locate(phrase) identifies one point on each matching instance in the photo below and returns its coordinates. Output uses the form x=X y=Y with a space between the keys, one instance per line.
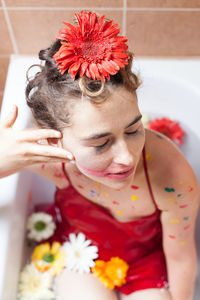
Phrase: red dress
x=138 y=242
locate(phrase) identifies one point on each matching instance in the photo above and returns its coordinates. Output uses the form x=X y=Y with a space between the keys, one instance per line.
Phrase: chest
x=125 y=205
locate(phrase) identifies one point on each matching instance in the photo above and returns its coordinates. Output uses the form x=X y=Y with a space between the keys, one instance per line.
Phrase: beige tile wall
x=153 y=27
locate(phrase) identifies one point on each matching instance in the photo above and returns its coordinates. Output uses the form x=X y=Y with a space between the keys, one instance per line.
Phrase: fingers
x=47 y=151
x=10 y=119
x=33 y=135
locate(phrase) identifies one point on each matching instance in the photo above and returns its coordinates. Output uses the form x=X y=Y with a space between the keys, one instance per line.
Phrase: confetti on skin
x=169 y=190
x=182 y=243
x=186 y=218
x=179 y=195
x=59 y=175
x=100 y=201
x=132 y=206
x=172 y=200
x=77 y=173
x=115 y=202
x=174 y=221
x=148 y=156
x=190 y=189
x=42 y=166
x=134 y=197
x=134 y=187
x=180 y=182
x=186 y=227
x=119 y=212
x=183 y=206
x=98 y=183
x=172 y=236
x=93 y=194
x=80 y=186
x=106 y=195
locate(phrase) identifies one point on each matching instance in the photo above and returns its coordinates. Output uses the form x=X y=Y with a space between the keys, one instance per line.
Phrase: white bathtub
x=171 y=88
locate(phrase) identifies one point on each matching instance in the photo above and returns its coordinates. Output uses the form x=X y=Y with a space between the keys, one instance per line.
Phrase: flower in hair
x=91 y=48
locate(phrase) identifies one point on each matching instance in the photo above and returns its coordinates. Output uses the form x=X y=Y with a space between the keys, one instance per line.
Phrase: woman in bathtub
x=129 y=190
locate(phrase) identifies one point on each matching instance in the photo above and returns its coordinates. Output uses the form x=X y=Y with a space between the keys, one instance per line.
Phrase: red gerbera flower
x=91 y=48
x=169 y=128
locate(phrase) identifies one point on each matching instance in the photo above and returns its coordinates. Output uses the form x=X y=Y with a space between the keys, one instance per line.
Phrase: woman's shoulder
x=169 y=170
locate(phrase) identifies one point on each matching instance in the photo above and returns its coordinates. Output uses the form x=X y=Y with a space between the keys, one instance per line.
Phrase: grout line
x=61 y=8
x=101 y=8
x=124 y=18
x=10 y=30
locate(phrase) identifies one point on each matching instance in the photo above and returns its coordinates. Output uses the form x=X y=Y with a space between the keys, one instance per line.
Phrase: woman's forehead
x=118 y=111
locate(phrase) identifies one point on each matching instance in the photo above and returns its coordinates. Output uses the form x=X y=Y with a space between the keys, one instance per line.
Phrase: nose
x=122 y=154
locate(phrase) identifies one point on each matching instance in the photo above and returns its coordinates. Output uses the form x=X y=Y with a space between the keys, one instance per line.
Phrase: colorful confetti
x=172 y=236
x=42 y=166
x=119 y=212
x=134 y=197
x=148 y=156
x=169 y=190
x=135 y=187
x=106 y=195
x=186 y=218
x=174 y=221
x=182 y=243
x=183 y=206
x=115 y=202
x=179 y=195
x=80 y=186
x=190 y=189
x=186 y=227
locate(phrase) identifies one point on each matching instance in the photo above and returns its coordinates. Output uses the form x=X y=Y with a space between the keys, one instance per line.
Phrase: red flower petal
x=93 y=45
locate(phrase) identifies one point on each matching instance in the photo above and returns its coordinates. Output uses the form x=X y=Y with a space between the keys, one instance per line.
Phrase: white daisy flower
x=145 y=119
x=79 y=255
x=40 y=226
x=35 y=285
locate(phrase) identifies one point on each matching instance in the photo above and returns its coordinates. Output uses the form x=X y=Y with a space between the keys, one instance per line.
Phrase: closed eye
x=133 y=132
x=101 y=146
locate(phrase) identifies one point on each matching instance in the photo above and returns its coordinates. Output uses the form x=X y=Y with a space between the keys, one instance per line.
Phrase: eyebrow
x=98 y=136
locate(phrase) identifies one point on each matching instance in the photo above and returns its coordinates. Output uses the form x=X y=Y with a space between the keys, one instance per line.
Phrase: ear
x=54 y=142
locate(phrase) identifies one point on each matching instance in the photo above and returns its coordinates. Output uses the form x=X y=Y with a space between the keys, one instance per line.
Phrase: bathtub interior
x=166 y=91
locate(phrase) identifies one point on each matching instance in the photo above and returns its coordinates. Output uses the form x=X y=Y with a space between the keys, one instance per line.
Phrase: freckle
x=42 y=166
x=169 y=190
x=132 y=206
x=186 y=227
x=115 y=202
x=106 y=195
x=183 y=206
x=186 y=218
x=148 y=156
x=135 y=187
x=134 y=197
x=182 y=243
x=119 y=212
x=80 y=186
x=174 y=221
x=172 y=236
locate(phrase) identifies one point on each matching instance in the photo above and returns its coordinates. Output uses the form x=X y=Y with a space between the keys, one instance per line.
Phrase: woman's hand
x=19 y=149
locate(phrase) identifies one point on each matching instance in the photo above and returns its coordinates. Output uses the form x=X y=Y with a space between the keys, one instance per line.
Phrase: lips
x=121 y=171
x=120 y=175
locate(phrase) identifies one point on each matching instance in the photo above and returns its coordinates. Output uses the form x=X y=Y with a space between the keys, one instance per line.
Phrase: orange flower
x=111 y=273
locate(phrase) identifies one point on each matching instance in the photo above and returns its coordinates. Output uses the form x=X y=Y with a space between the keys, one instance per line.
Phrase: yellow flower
x=111 y=273
x=46 y=257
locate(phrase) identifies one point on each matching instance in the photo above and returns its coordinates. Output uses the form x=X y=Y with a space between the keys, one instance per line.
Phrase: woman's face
x=106 y=140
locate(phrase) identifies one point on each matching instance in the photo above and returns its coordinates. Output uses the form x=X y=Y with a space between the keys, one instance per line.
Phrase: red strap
x=64 y=171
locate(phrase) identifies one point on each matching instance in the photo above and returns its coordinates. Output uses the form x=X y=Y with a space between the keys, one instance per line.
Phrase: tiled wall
x=153 y=27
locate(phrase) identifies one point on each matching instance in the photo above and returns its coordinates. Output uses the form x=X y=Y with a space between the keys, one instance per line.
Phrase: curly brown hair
x=49 y=93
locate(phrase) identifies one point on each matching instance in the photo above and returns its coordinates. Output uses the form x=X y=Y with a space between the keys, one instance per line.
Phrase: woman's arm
x=179 y=202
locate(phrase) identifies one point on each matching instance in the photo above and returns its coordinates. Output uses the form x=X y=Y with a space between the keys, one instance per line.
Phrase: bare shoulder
x=52 y=171
x=170 y=172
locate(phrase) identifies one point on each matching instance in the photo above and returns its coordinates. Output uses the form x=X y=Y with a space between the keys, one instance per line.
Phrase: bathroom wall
x=158 y=28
